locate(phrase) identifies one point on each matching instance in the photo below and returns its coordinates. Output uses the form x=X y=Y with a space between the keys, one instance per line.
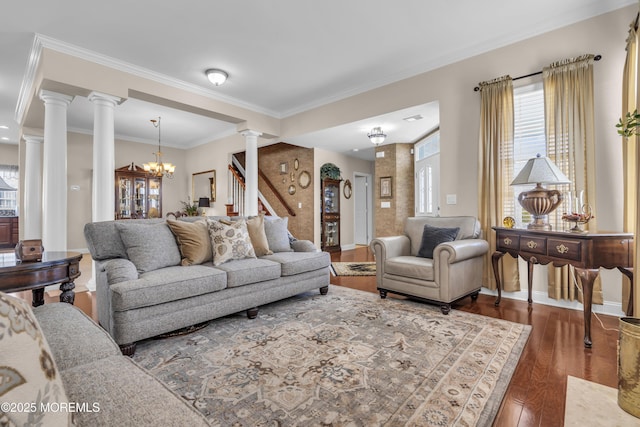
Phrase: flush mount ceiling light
x=377 y=136
x=413 y=118
x=217 y=77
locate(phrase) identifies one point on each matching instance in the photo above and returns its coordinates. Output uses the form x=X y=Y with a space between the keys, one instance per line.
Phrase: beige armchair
x=454 y=272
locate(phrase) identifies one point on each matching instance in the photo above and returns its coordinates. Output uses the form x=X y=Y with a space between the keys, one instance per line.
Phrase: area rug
x=345 y=359
x=592 y=404
x=353 y=268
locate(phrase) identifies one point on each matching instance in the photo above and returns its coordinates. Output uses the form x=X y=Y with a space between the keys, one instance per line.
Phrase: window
x=427 y=167
x=9 y=198
x=528 y=141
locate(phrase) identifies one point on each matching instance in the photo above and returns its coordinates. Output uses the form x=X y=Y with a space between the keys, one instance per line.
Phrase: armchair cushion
x=433 y=236
x=410 y=266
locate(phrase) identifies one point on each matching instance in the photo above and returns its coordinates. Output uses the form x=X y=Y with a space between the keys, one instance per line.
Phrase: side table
x=55 y=267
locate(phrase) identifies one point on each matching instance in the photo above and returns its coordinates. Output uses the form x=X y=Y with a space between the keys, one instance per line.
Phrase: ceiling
x=282 y=56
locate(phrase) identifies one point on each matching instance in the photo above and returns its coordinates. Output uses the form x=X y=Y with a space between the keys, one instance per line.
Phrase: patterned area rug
x=345 y=359
x=353 y=268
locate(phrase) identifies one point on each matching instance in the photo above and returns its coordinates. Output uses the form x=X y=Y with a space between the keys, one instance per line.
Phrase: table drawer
x=567 y=249
x=534 y=245
x=508 y=241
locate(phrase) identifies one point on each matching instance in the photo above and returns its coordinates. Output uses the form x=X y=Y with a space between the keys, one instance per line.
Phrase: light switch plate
x=380 y=154
x=385 y=204
x=452 y=199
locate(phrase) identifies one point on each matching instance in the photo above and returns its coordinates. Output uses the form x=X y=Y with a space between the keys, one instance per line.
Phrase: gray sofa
x=452 y=272
x=112 y=389
x=134 y=305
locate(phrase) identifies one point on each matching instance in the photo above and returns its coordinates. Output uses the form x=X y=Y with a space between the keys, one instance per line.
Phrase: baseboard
x=539 y=297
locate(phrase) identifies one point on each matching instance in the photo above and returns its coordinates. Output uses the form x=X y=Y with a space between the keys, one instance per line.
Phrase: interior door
x=362 y=209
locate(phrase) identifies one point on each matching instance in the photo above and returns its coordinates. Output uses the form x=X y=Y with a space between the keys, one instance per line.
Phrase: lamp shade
x=203 y=202
x=540 y=170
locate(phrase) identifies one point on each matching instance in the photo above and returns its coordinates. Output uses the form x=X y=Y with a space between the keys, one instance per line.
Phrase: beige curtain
x=568 y=92
x=629 y=154
x=496 y=161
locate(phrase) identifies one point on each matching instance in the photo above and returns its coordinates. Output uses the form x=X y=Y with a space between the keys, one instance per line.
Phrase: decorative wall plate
x=304 y=179
x=347 y=190
x=292 y=189
x=296 y=164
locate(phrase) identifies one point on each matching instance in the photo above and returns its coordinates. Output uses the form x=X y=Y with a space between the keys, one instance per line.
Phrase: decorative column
x=32 y=210
x=102 y=200
x=251 y=172
x=54 y=171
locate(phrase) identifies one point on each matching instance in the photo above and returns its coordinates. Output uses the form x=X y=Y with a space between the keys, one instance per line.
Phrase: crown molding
x=41 y=41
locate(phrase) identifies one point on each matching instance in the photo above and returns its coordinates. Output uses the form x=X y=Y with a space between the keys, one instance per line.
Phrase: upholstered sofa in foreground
x=143 y=290
x=60 y=368
x=447 y=272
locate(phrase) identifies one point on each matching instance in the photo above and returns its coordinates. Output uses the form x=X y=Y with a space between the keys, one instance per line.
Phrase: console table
x=55 y=267
x=586 y=252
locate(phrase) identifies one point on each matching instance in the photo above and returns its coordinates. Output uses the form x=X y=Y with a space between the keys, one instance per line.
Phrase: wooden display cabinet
x=330 y=215
x=138 y=195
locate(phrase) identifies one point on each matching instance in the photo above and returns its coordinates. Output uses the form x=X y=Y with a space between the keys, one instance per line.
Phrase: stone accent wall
x=397 y=163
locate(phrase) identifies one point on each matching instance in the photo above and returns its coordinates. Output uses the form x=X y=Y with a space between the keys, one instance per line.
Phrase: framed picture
x=284 y=167
x=385 y=187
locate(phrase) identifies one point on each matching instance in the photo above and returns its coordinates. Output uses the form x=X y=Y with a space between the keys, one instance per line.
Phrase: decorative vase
x=629 y=366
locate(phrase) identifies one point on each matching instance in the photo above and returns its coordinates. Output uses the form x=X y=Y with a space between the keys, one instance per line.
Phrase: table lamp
x=540 y=202
x=203 y=202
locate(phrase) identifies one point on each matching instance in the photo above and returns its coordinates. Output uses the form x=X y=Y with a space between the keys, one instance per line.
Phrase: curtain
x=496 y=172
x=630 y=154
x=569 y=117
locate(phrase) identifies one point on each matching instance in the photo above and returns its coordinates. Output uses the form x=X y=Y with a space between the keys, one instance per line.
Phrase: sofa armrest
x=303 y=246
x=460 y=250
x=388 y=247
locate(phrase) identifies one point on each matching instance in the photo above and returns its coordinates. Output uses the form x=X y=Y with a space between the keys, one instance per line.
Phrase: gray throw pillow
x=149 y=246
x=277 y=234
x=433 y=236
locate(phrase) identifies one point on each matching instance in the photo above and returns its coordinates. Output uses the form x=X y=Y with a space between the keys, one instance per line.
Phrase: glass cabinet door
x=330 y=233
x=124 y=197
x=140 y=197
x=331 y=202
x=154 y=198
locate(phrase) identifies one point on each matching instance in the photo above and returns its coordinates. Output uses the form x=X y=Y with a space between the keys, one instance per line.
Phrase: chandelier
x=159 y=168
x=377 y=136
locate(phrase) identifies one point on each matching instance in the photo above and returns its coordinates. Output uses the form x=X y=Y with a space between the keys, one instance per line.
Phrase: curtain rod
x=477 y=88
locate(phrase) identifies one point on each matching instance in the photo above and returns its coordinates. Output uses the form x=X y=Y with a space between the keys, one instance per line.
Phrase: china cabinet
x=330 y=215
x=138 y=195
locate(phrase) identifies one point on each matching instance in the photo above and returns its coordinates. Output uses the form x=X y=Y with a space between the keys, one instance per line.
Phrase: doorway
x=427 y=175
x=362 y=208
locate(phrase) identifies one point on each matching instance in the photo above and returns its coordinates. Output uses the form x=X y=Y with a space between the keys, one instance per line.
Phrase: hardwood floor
x=536 y=394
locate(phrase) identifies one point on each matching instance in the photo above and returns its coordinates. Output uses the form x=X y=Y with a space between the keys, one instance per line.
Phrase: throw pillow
x=29 y=376
x=255 y=226
x=433 y=236
x=193 y=241
x=149 y=246
x=277 y=234
x=230 y=241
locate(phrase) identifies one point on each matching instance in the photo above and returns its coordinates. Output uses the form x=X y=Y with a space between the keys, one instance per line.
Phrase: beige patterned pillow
x=28 y=374
x=230 y=241
x=193 y=241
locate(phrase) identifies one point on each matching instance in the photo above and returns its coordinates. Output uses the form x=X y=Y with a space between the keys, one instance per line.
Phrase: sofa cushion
x=28 y=372
x=410 y=266
x=73 y=337
x=166 y=285
x=193 y=241
x=293 y=263
x=230 y=241
x=255 y=226
x=103 y=240
x=120 y=270
x=433 y=236
x=126 y=395
x=149 y=246
x=278 y=234
x=250 y=270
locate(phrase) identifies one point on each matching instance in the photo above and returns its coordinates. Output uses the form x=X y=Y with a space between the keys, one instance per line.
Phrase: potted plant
x=628 y=126
x=191 y=209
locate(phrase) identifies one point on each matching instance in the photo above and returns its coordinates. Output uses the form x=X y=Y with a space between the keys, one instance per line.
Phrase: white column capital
x=249 y=132
x=50 y=97
x=104 y=99
x=33 y=139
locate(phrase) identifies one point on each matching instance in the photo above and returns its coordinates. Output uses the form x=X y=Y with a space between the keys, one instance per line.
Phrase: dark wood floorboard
x=536 y=394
